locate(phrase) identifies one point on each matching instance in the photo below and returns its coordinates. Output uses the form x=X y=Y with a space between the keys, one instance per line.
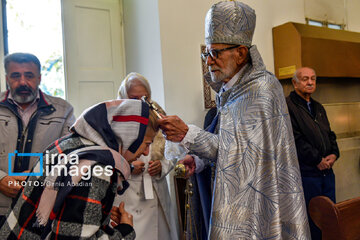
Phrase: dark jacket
x=313 y=136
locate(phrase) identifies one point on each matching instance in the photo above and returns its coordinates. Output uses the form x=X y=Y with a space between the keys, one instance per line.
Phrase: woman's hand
x=139 y=167
x=154 y=167
x=119 y=215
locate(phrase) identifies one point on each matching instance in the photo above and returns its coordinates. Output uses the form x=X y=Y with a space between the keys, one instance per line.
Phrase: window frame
x=325 y=24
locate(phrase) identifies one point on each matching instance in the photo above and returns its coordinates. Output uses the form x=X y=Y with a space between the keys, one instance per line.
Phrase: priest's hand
x=190 y=166
x=173 y=127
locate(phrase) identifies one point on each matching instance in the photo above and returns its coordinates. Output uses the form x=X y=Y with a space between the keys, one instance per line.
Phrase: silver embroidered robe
x=258 y=191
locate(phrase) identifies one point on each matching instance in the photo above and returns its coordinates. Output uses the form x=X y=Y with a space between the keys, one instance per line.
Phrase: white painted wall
x=182 y=32
x=2 y=70
x=142 y=43
x=181 y=29
x=332 y=11
x=353 y=16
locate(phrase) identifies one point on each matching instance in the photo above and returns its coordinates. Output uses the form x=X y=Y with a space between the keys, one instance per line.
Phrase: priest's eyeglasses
x=214 y=53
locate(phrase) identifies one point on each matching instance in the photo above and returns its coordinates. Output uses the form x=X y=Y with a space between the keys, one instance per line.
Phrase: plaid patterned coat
x=84 y=213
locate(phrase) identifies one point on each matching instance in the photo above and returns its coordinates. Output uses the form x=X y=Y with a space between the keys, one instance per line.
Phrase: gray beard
x=216 y=79
x=24 y=98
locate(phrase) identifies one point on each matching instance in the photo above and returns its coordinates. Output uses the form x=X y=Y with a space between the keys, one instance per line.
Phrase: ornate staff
x=151 y=106
x=180 y=172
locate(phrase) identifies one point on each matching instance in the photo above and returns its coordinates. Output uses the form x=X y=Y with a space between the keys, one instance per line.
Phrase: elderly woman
x=148 y=196
x=75 y=202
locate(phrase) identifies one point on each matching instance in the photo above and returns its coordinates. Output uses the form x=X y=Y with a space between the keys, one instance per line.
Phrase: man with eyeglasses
x=257 y=192
x=29 y=121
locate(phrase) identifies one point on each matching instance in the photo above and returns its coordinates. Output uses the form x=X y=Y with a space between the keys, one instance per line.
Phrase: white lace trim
x=190 y=136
